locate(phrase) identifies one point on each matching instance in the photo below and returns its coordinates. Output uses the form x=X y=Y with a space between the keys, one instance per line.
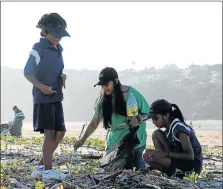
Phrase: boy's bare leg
x=51 y=142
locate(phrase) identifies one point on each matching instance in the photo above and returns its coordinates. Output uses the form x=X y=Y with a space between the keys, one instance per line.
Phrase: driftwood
x=118 y=179
x=112 y=175
x=90 y=156
x=214 y=159
x=134 y=179
x=169 y=183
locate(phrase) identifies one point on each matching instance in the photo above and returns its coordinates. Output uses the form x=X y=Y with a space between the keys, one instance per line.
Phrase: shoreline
x=209 y=133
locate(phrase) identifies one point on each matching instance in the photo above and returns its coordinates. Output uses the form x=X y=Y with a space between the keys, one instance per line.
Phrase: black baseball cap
x=106 y=75
x=159 y=106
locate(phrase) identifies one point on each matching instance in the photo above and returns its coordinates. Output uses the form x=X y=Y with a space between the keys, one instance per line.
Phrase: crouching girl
x=175 y=148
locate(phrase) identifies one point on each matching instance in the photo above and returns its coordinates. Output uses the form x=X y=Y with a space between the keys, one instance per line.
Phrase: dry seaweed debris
x=19 y=157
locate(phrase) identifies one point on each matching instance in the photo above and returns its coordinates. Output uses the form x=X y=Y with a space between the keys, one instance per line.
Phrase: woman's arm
x=93 y=124
x=91 y=127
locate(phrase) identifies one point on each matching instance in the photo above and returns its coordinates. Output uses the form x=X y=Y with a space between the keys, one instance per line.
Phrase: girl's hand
x=156 y=154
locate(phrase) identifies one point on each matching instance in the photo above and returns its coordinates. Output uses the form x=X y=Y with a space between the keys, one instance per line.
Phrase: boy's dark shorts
x=48 y=116
x=186 y=166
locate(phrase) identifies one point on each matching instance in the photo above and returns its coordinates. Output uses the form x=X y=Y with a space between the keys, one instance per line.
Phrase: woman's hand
x=78 y=143
x=134 y=122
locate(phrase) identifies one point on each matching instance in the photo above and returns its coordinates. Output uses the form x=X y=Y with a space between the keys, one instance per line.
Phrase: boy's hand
x=63 y=79
x=47 y=90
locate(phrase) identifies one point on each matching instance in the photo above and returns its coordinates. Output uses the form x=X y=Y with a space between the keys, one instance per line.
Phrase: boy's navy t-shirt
x=45 y=63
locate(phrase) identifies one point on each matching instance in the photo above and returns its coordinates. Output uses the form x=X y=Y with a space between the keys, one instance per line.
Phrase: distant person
x=44 y=69
x=191 y=123
x=177 y=146
x=111 y=108
x=16 y=126
x=5 y=128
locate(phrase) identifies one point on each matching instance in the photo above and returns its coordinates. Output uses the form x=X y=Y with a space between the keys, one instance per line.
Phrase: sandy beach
x=209 y=132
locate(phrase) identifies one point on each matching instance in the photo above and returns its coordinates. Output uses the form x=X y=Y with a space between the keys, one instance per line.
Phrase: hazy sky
x=118 y=33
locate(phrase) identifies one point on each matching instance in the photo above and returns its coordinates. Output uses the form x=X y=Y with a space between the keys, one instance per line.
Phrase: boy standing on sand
x=44 y=69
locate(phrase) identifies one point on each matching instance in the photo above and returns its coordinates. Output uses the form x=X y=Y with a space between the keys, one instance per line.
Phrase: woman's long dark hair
x=107 y=107
x=176 y=113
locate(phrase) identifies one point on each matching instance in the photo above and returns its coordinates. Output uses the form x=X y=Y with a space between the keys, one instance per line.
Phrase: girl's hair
x=52 y=19
x=163 y=107
x=107 y=105
x=176 y=113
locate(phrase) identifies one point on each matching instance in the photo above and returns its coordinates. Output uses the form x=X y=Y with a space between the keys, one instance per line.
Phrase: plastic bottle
x=132 y=106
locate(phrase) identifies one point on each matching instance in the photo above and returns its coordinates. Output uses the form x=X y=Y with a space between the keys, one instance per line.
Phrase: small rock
x=17 y=184
x=56 y=186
